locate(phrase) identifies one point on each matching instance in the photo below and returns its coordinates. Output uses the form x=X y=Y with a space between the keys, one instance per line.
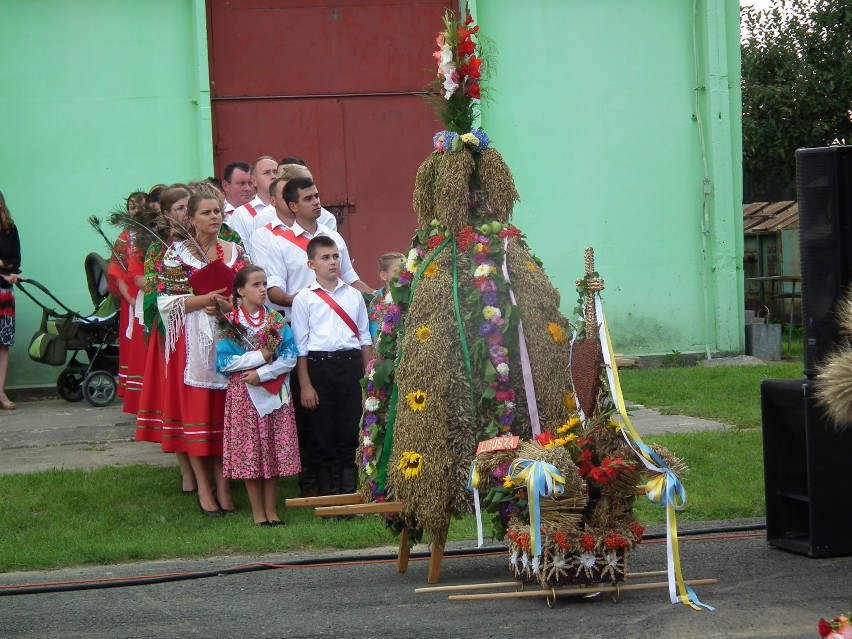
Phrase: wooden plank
x=404 y=550
x=435 y=559
x=772 y=223
x=326 y=500
x=359 y=509
x=750 y=209
x=551 y=592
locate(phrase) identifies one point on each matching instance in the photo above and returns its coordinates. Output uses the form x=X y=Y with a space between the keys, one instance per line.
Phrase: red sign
x=497 y=443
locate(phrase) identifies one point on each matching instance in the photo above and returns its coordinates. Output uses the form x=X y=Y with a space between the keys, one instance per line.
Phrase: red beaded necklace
x=251 y=321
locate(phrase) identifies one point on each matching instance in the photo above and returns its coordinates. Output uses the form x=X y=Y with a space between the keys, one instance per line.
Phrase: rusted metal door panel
x=337 y=84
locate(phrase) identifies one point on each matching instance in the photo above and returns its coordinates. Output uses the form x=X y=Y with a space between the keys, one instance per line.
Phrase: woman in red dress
x=190 y=322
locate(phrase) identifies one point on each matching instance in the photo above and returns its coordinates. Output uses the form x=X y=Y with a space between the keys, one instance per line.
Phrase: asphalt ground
x=761 y=591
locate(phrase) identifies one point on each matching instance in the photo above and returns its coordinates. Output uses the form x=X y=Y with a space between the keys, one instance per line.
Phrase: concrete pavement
x=52 y=433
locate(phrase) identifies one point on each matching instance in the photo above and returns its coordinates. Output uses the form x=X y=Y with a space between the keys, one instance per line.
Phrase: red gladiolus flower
x=824 y=628
x=466 y=45
x=473 y=91
x=599 y=475
x=471 y=68
x=544 y=438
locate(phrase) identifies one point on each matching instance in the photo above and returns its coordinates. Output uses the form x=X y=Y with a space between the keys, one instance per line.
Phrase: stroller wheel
x=69 y=385
x=99 y=388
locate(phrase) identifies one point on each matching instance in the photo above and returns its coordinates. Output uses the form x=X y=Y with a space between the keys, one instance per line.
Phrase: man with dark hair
x=291 y=159
x=237 y=186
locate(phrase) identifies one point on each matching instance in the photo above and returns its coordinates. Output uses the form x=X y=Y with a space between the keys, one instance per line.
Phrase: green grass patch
x=114 y=515
x=729 y=394
x=725 y=478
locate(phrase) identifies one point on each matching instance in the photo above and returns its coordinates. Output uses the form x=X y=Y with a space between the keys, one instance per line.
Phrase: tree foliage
x=796 y=87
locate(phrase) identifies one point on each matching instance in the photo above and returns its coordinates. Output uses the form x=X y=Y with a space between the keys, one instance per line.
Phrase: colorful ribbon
x=664 y=488
x=541 y=479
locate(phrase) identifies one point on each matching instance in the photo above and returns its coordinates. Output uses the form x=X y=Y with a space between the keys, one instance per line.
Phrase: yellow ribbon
x=664 y=488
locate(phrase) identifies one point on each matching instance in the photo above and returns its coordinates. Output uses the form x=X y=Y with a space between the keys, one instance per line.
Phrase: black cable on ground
x=6 y=591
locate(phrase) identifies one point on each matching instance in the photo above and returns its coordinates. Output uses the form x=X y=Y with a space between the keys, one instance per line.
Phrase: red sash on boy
x=325 y=297
x=299 y=240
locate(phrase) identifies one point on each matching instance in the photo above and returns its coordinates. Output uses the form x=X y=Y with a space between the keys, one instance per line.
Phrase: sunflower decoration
x=423 y=334
x=430 y=270
x=416 y=400
x=410 y=465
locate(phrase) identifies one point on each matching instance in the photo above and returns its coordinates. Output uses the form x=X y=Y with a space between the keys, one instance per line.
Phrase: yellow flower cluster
x=469 y=138
x=531 y=266
x=410 y=465
x=430 y=270
x=564 y=430
x=570 y=404
x=556 y=332
x=507 y=482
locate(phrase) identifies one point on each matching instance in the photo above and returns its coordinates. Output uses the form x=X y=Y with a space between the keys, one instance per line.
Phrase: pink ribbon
x=526 y=370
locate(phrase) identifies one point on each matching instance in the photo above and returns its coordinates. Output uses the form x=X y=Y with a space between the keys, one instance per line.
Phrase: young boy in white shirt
x=331 y=329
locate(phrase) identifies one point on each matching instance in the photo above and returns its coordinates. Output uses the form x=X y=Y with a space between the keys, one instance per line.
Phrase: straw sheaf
x=424 y=190
x=844 y=314
x=675 y=464
x=452 y=189
x=442 y=433
x=539 y=304
x=495 y=178
x=560 y=458
x=611 y=514
x=834 y=386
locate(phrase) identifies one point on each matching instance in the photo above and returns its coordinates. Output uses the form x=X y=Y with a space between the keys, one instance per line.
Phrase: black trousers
x=336 y=378
x=303 y=428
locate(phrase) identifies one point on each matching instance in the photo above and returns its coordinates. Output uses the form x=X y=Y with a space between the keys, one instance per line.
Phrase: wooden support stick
x=515 y=584
x=326 y=500
x=435 y=559
x=359 y=509
x=496 y=584
x=404 y=550
x=577 y=591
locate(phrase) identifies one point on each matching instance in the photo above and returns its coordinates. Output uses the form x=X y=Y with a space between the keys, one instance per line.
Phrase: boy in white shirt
x=332 y=333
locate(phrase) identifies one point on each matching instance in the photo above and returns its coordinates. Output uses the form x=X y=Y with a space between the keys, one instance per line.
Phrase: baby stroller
x=95 y=334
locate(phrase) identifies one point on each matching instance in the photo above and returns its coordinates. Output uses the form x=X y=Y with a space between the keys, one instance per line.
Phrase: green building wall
x=97 y=99
x=593 y=105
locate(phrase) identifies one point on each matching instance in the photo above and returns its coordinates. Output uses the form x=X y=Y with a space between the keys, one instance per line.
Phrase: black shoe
x=277 y=522
x=264 y=524
x=210 y=513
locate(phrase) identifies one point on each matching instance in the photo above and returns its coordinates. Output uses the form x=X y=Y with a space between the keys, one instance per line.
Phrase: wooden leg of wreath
x=435 y=558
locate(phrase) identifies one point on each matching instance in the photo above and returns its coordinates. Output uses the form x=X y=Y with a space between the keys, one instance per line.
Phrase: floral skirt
x=257 y=447
x=7 y=317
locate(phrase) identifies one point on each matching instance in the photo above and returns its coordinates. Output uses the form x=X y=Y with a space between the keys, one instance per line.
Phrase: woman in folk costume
x=153 y=422
x=126 y=277
x=193 y=276
x=257 y=351
x=10 y=268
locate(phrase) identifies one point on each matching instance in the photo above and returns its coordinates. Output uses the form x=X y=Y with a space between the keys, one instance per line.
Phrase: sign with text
x=497 y=443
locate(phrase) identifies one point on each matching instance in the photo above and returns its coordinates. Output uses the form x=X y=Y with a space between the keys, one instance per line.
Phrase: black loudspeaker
x=824 y=191
x=806 y=470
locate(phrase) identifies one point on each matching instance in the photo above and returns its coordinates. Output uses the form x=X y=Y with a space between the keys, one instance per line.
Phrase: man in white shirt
x=283 y=219
x=263 y=170
x=287 y=260
x=293 y=163
x=237 y=186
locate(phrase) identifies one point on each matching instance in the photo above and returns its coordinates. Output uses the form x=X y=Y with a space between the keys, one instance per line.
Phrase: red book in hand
x=213 y=277
x=274 y=385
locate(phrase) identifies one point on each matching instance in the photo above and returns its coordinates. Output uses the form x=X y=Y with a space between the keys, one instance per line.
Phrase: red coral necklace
x=251 y=321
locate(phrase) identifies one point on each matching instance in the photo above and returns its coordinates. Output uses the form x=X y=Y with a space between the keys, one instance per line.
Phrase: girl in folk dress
x=256 y=350
x=10 y=265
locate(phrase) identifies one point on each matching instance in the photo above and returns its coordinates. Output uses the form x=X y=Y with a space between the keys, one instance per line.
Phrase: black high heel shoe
x=209 y=513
